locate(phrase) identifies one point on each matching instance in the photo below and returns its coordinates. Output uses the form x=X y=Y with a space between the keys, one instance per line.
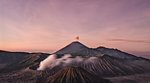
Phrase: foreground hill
x=74 y=75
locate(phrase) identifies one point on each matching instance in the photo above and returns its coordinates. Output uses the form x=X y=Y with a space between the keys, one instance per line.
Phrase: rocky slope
x=74 y=75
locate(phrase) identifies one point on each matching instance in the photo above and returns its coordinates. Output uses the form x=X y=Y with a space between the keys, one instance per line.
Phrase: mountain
x=77 y=48
x=74 y=75
x=31 y=61
x=9 y=57
x=22 y=70
x=115 y=53
x=21 y=66
x=73 y=48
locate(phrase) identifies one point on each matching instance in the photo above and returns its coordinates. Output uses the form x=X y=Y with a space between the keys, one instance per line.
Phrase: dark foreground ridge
x=74 y=75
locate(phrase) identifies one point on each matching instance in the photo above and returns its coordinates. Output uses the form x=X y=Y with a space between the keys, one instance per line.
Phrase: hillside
x=74 y=75
x=9 y=57
x=31 y=60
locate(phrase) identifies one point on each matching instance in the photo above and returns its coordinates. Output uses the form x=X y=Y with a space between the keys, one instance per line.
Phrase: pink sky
x=48 y=25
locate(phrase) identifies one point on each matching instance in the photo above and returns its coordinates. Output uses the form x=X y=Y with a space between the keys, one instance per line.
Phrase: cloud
x=66 y=60
x=128 y=40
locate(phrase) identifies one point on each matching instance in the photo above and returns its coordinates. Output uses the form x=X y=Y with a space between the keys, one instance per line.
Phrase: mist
x=66 y=60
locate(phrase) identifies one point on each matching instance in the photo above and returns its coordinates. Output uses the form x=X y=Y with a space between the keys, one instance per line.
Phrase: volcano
x=79 y=49
x=107 y=63
x=74 y=75
x=73 y=48
x=110 y=62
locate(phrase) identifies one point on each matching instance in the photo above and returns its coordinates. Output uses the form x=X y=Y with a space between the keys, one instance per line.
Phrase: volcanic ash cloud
x=51 y=61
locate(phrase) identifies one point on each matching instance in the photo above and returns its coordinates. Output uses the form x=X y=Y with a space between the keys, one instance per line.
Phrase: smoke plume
x=67 y=60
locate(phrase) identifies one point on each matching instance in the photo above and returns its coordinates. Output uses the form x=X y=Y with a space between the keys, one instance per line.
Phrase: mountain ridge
x=77 y=48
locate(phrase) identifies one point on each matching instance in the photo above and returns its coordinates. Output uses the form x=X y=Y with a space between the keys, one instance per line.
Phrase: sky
x=48 y=25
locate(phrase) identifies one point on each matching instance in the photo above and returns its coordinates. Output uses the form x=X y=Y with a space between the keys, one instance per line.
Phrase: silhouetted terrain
x=31 y=60
x=9 y=57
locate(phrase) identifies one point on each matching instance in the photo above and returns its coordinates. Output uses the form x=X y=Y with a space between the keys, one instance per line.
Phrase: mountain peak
x=73 y=47
x=77 y=43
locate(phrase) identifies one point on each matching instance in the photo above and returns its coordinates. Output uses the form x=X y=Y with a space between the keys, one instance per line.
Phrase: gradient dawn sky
x=48 y=25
